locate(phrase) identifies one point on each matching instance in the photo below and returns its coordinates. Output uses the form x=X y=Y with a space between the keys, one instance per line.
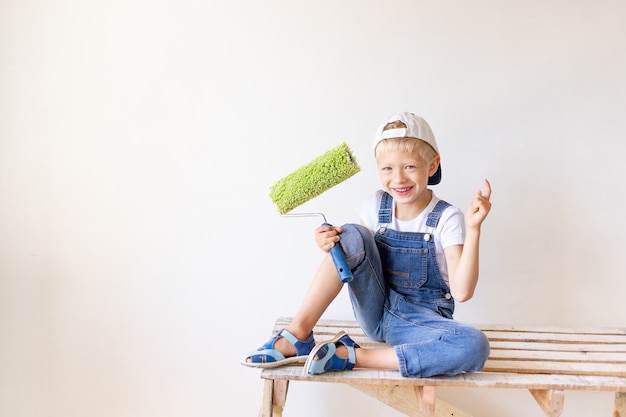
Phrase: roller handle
x=339 y=258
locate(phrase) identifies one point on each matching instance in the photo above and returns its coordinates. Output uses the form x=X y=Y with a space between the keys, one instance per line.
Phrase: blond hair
x=405 y=144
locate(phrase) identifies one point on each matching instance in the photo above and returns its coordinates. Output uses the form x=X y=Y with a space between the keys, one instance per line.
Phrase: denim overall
x=399 y=297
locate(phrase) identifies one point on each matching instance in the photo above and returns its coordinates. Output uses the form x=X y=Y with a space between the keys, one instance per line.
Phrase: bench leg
x=426 y=396
x=619 y=409
x=415 y=401
x=551 y=401
x=274 y=398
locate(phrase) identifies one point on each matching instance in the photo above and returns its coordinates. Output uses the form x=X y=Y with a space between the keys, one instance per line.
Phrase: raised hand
x=480 y=207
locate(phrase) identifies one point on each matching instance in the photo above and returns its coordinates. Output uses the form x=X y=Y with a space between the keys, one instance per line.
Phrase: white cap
x=417 y=128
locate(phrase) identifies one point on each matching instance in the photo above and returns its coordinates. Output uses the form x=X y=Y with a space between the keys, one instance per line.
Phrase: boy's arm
x=462 y=260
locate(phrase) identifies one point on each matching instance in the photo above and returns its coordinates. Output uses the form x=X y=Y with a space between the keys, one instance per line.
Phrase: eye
x=410 y=167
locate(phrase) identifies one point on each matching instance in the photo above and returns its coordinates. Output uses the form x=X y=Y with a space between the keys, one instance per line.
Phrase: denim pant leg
x=428 y=344
x=368 y=291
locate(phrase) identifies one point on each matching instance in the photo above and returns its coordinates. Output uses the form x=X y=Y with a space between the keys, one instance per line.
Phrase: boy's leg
x=368 y=291
x=323 y=289
x=429 y=344
x=367 y=294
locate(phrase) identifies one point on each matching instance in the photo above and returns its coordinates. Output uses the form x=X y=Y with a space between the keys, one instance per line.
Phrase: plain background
x=140 y=253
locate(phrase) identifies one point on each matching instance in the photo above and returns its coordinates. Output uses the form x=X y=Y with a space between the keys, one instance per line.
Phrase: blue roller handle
x=339 y=258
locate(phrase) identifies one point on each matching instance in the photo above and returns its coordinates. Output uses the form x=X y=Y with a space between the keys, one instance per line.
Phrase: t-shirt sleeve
x=453 y=227
x=368 y=210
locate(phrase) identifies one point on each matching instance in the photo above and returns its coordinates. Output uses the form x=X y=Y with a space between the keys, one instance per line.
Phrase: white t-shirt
x=450 y=229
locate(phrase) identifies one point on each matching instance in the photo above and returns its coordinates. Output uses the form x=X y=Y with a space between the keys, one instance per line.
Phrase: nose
x=398 y=176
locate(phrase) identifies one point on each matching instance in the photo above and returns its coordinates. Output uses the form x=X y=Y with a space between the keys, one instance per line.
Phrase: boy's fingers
x=487 y=192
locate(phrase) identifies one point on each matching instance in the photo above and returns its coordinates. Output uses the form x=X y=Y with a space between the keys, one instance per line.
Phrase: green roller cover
x=312 y=179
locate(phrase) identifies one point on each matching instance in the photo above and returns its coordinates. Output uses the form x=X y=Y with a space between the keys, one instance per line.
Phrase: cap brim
x=436 y=177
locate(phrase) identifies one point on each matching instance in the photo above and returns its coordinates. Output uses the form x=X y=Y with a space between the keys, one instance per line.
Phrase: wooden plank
x=563 y=347
x=477 y=379
x=570 y=337
x=274 y=398
x=496 y=333
x=619 y=409
x=558 y=356
x=405 y=399
x=285 y=320
x=550 y=401
x=426 y=396
x=279 y=395
x=562 y=367
x=267 y=404
x=322 y=324
x=497 y=330
x=551 y=329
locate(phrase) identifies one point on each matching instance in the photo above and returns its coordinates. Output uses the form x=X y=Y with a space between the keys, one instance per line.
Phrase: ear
x=434 y=164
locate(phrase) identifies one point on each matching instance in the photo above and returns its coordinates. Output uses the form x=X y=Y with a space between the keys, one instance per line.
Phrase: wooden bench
x=545 y=360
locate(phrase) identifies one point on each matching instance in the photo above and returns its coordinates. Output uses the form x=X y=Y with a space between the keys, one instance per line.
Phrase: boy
x=411 y=257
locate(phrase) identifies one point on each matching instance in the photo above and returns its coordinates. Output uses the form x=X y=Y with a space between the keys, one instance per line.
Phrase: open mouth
x=402 y=191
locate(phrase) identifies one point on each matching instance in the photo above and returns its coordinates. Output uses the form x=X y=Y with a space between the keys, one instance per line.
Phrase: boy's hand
x=327 y=236
x=480 y=207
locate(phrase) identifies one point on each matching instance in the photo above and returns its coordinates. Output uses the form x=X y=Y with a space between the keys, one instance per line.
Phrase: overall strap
x=435 y=215
x=385 y=210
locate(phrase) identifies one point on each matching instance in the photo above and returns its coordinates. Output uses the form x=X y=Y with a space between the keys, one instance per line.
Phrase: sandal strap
x=267 y=353
x=264 y=354
x=287 y=335
x=351 y=357
x=350 y=345
x=330 y=361
x=303 y=347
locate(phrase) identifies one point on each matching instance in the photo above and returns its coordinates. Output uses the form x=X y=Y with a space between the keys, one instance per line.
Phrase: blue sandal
x=323 y=357
x=268 y=357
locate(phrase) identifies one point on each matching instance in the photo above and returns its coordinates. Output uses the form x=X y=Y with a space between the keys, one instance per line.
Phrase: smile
x=403 y=190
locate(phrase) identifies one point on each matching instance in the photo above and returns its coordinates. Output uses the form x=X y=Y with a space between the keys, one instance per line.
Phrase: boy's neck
x=409 y=211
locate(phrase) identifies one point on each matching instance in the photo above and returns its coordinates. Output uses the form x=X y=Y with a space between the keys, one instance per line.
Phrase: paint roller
x=311 y=180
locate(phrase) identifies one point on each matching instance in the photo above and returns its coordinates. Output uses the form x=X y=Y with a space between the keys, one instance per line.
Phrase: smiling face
x=404 y=166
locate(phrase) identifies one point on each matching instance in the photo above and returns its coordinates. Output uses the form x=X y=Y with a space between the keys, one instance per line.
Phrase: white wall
x=140 y=254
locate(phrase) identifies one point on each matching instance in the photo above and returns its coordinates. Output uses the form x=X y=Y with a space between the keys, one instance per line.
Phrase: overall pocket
x=405 y=268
